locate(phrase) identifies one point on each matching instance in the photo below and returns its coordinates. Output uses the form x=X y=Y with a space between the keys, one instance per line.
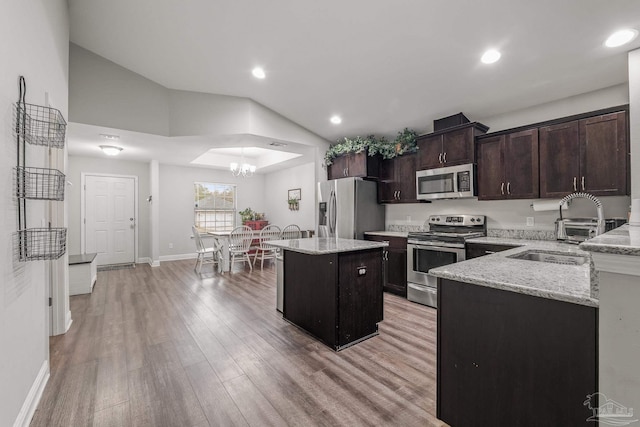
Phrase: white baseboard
x=155 y=264
x=178 y=257
x=33 y=398
x=69 y=321
x=144 y=260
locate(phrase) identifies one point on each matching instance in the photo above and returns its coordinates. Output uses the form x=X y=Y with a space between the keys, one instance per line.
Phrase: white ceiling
x=381 y=65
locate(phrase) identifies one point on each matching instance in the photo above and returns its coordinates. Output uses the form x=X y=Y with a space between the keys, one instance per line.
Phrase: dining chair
x=240 y=240
x=291 y=231
x=203 y=252
x=263 y=250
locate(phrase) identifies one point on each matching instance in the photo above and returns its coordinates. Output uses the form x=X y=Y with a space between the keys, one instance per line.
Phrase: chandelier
x=242 y=169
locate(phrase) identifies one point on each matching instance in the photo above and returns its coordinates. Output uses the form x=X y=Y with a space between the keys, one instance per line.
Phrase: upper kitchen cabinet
x=397 y=183
x=585 y=155
x=508 y=166
x=354 y=165
x=449 y=147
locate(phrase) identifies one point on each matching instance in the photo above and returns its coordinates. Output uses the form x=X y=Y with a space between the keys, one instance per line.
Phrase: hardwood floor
x=165 y=346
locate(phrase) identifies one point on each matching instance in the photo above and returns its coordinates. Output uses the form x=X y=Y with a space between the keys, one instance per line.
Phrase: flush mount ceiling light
x=110 y=150
x=621 y=37
x=336 y=120
x=243 y=168
x=258 y=73
x=490 y=56
x=110 y=137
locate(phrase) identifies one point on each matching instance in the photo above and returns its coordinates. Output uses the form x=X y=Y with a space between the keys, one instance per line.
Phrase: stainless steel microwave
x=451 y=182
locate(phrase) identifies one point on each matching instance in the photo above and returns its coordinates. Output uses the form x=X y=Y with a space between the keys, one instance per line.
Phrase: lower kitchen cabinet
x=475 y=250
x=395 y=263
x=509 y=359
x=336 y=297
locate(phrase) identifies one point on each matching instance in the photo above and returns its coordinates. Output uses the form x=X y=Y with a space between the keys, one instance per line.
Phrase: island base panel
x=506 y=358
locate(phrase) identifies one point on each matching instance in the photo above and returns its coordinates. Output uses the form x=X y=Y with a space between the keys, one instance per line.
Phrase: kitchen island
x=333 y=288
x=517 y=338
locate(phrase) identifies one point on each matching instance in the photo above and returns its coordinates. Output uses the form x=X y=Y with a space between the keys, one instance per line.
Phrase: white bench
x=83 y=273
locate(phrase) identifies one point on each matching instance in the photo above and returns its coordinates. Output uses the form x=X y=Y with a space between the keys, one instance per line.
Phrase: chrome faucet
x=600 y=211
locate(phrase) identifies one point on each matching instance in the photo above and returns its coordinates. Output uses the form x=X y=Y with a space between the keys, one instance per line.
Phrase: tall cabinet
x=44 y=127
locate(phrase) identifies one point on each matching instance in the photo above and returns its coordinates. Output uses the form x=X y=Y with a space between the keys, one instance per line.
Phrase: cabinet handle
x=508 y=188
x=489 y=252
x=575 y=183
x=440 y=158
x=444 y=157
x=399 y=191
x=502 y=188
x=583 y=183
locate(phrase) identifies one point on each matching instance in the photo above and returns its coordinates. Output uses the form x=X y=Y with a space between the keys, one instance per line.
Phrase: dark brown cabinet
x=336 y=297
x=589 y=155
x=397 y=182
x=508 y=166
x=395 y=263
x=354 y=165
x=509 y=359
x=449 y=147
x=475 y=250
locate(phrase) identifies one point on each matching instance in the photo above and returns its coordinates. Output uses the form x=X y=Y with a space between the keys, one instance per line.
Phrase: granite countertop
x=624 y=240
x=388 y=233
x=567 y=283
x=323 y=245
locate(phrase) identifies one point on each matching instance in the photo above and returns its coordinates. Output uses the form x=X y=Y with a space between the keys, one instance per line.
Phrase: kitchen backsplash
x=505 y=234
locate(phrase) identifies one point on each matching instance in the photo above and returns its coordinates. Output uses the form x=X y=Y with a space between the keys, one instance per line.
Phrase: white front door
x=110 y=218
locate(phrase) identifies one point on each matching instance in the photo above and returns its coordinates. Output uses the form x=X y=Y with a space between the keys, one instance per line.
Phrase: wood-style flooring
x=165 y=346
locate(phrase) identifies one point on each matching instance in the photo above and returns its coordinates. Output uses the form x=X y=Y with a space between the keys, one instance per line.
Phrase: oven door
x=421 y=286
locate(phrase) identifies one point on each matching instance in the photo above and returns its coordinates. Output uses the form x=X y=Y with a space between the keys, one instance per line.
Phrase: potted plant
x=247 y=215
x=405 y=142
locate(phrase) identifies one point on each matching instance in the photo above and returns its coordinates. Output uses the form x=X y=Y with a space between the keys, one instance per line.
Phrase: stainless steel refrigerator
x=348 y=207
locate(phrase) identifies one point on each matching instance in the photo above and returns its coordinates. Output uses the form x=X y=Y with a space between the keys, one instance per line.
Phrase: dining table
x=223 y=238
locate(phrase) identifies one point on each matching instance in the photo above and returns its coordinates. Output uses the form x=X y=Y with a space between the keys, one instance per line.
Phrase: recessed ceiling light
x=336 y=120
x=621 y=37
x=110 y=150
x=258 y=73
x=110 y=137
x=490 y=56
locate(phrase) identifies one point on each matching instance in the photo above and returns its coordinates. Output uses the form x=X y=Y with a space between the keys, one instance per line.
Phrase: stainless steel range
x=443 y=244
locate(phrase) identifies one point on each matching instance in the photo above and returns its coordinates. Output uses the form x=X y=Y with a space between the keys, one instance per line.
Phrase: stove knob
x=473 y=220
x=479 y=219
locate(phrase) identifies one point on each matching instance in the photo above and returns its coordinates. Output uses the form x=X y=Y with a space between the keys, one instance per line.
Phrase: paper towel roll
x=548 y=205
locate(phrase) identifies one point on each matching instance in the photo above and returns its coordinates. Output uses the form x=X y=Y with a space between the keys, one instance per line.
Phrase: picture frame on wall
x=295 y=194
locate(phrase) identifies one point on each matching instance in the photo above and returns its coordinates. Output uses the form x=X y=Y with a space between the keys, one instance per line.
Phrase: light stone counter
x=624 y=240
x=323 y=245
x=567 y=283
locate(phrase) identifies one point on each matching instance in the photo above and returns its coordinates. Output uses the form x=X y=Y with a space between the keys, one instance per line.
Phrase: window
x=215 y=206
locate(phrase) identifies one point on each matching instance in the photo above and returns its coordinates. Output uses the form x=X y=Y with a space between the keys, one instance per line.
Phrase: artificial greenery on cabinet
x=405 y=142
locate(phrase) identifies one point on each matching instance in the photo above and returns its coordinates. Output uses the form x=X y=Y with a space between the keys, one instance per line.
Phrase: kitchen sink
x=551 y=257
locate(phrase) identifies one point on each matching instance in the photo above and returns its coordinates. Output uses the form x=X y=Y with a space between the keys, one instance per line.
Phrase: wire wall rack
x=39 y=125
x=42 y=126
x=40 y=183
x=37 y=244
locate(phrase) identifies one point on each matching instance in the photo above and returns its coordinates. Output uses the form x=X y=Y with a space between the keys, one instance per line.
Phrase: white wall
x=103 y=93
x=512 y=214
x=177 y=203
x=277 y=185
x=113 y=166
x=33 y=42
x=634 y=123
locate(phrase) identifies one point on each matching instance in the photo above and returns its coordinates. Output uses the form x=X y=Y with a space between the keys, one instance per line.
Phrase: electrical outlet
x=530 y=221
x=408 y=218
x=170 y=245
